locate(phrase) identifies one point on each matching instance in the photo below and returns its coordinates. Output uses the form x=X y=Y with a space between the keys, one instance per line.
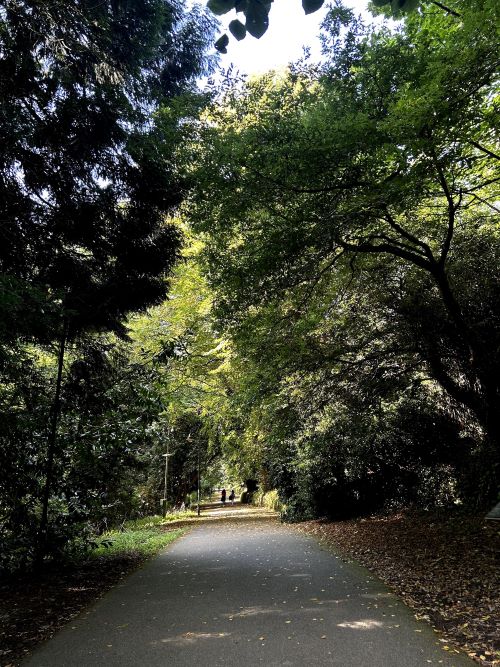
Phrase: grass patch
x=142 y=537
x=157 y=520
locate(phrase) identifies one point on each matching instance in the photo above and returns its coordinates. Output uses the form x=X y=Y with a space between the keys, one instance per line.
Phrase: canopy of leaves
x=256 y=14
x=332 y=324
x=84 y=239
x=83 y=188
x=349 y=217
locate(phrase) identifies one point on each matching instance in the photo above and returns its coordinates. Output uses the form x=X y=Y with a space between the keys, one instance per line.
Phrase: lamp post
x=198 y=412
x=199 y=481
x=164 y=499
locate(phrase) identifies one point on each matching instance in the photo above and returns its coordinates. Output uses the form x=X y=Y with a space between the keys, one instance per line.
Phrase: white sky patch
x=290 y=30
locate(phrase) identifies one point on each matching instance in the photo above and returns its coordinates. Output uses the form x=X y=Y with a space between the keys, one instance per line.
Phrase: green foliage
x=350 y=241
x=332 y=328
x=397 y=5
x=269 y=499
x=85 y=240
x=83 y=190
x=145 y=538
x=256 y=13
x=191 y=499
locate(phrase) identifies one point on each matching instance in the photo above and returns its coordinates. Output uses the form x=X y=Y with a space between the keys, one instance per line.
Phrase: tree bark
x=51 y=447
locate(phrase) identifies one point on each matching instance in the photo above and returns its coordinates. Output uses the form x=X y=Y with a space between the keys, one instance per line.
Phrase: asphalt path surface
x=241 y=591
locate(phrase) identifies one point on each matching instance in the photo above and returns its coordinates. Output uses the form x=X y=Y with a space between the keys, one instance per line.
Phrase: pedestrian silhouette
x=223 y=496
x=232 y=496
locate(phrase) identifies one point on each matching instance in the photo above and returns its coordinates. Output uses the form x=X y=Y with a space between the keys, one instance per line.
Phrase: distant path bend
x=242 y=592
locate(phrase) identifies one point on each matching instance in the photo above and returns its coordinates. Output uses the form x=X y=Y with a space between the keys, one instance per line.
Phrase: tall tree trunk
x=51 y=447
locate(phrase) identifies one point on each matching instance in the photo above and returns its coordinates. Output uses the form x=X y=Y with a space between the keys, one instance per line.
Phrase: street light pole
x=164 y=499
x=199 y=482
x=166 y=465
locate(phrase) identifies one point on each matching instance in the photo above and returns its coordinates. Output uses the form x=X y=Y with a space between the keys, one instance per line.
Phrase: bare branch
x=407 y=235
x=448 y=10
x=483 y=149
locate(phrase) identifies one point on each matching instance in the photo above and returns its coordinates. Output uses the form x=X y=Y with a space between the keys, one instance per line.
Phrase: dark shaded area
x=33 y=608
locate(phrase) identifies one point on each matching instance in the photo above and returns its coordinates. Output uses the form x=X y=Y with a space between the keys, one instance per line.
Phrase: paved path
x=243 y=592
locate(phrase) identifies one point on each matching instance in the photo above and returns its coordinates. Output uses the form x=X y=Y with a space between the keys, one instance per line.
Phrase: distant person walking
x=223 y=496
x=232 y=496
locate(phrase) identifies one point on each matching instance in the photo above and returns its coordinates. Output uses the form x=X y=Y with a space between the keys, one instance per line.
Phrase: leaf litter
x=445 y=568
x=33 y=608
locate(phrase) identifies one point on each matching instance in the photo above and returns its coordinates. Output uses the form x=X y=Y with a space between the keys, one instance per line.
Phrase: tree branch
x=367 y=247
x=486 y=203
x=481 y=185
x=413 y=239
x=452 y=207
x=483 y=149
x=448 y=10
x=461 y=394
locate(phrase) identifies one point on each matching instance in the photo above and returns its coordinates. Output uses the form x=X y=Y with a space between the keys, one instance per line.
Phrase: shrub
x=246 y=497
x=272 y=501
x=269 y=499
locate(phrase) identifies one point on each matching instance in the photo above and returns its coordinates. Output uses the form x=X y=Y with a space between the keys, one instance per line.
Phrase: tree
x=83 y=188
x=177 y=341
x=385 y=152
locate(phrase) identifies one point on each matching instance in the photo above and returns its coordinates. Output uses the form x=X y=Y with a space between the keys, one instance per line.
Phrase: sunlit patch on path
x=365 y=624
x=192 y=637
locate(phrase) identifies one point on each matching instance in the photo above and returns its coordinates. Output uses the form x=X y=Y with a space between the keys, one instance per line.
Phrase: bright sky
x=289 y=30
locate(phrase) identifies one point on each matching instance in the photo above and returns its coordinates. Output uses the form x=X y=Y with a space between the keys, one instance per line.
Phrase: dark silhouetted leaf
x=411 y=5
x=257 y=19
x=237 y=29
x=220 y=7
x=221 y=44
x=311 y=6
